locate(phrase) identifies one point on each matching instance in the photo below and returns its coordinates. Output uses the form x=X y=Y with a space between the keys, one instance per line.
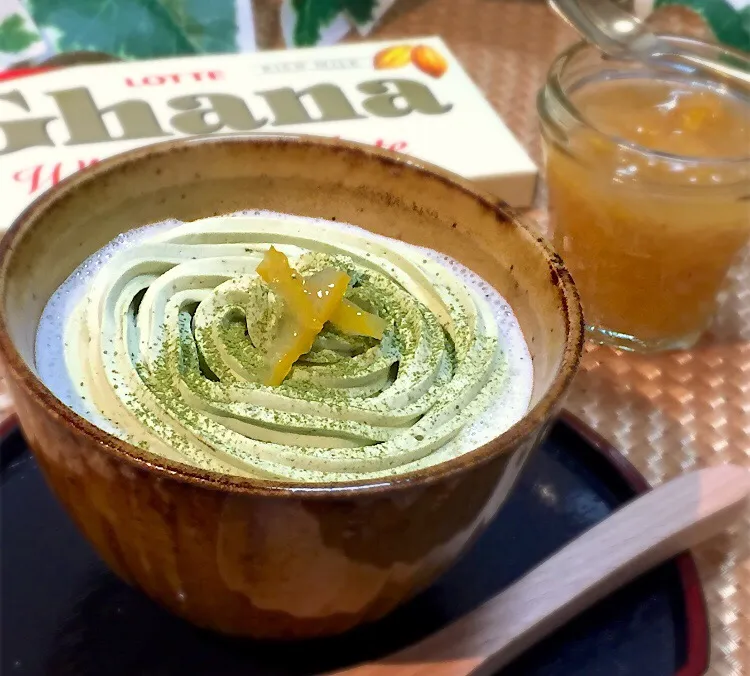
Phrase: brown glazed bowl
x=258 y=558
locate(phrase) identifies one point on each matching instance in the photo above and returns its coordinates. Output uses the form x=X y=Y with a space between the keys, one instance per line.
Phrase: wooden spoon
x=649 y=530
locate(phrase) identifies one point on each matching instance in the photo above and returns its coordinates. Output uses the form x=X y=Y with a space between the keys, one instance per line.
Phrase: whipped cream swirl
x=167 y=348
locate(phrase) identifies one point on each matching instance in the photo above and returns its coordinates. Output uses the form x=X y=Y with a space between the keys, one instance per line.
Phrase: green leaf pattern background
x=154 y=28
x=158 y=28
x=138 y=28
x=19 y=37
x=729 y=22
x=314 y=15
x=15 y=37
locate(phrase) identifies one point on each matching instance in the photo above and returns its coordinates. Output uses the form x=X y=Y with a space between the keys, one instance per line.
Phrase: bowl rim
x=23 y=376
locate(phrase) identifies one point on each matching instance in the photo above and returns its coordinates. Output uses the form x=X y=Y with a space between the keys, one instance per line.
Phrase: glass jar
x=648 y=171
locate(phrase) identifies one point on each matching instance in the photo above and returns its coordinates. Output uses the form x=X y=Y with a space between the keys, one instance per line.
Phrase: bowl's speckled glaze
x=269 y=559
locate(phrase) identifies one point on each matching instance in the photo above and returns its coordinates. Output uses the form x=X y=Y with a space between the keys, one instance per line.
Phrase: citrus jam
x=649 y=199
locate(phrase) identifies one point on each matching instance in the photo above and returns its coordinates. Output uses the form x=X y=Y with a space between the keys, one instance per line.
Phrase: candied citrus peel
x=326 y=290
x=352 y=319
x=311 y=302
x=700 y=111
x=286 y=282
x=294 y=340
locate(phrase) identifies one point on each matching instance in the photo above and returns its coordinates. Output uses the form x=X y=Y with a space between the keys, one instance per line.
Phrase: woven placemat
x=666 y=413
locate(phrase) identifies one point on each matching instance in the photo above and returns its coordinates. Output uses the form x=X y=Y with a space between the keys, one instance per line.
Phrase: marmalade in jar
x=650 y=204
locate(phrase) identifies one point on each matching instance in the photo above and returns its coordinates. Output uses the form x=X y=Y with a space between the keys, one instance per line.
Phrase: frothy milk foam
x=512 y=402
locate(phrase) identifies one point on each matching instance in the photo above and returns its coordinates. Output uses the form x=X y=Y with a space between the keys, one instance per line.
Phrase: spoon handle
x=647 y=531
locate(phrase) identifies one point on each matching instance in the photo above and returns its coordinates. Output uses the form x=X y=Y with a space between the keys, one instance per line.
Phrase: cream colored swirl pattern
x=170 y=339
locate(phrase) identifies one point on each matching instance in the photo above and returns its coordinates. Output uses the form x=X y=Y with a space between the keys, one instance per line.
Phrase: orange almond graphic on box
x=428 y=60
x=393 y=57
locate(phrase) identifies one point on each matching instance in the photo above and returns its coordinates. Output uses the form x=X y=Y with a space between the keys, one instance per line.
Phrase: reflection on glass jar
x=649 y=190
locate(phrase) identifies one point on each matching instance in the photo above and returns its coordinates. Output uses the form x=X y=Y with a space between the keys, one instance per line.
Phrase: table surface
x=667 y=413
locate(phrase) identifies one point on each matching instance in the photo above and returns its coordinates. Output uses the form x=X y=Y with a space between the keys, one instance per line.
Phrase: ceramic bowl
x=257 y=558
